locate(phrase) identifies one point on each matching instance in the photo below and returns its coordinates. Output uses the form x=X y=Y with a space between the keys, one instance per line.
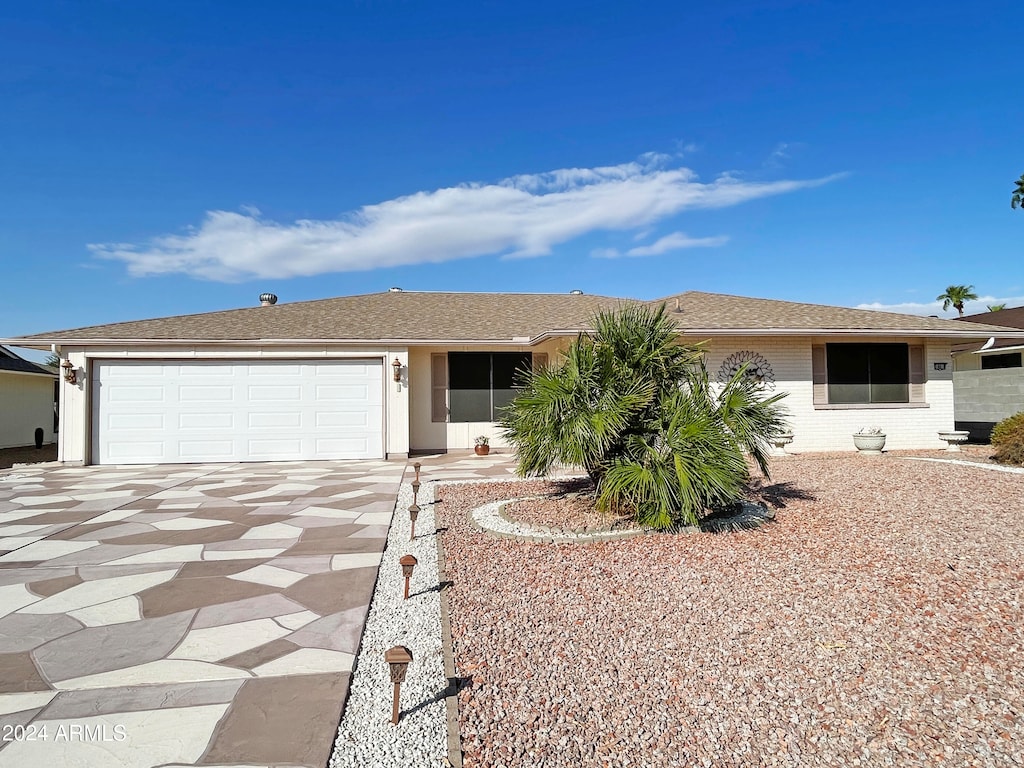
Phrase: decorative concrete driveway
x=179 y=616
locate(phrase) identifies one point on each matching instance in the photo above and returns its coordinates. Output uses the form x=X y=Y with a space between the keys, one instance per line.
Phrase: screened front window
x=481 y=383
x=868 y=373
x=1004 y=360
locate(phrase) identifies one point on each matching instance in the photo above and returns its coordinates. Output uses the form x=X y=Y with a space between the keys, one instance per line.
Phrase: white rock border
x=366 y=738
x=491 y=517
x=961 y=462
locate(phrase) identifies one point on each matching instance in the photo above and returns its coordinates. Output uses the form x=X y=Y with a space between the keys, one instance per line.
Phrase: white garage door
x=211 y=411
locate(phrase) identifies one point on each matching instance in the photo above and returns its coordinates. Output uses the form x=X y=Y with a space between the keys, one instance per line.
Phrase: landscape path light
x=415 y=491
x=408 y=562
x=417 y=466
x=398 y=658
x=414 y=512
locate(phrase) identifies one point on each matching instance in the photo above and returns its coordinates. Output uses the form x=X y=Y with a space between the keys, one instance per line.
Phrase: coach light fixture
x=70 y=374
x=397 y=366
x=398 y=659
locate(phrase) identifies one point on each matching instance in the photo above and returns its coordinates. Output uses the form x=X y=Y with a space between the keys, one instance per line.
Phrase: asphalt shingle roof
x=423 y=316
x=11 y=362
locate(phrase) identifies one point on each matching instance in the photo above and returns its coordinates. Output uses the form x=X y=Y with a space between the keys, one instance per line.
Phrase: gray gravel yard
x=879 y=621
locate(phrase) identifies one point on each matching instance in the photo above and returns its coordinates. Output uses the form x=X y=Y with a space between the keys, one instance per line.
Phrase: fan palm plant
x=636 y=409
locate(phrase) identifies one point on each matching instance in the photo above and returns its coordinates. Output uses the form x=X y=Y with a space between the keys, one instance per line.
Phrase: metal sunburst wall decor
x=758 y=368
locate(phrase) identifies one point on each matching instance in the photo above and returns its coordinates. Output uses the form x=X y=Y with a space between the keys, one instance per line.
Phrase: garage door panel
x=198 y=393
x=206 y=421
x=342 y=419
x=206 y=450
x=342 y=394
x=136 y=451
x=127 y=393
x=341 y=445
x=277 y=371
x=270 y=420
x=203 y=370
x=270 y=393
x=194 y=411
x=135 y=421
x=277 y=448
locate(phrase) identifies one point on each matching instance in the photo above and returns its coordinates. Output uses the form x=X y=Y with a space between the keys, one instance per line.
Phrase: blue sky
x=168 y=158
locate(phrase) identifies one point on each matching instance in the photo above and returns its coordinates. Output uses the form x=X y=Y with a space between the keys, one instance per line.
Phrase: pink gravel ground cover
x=878 y=621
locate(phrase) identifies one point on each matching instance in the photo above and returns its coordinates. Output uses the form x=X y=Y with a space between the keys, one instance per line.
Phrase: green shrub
x=1008 y=440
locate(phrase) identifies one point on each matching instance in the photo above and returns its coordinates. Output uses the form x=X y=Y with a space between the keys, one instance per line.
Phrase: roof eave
x=61 y=342
x=933 y=333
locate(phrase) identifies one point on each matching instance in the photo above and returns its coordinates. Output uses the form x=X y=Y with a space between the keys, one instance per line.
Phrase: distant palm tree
x=1018 y=193
x=957 y=295
x=996 y=307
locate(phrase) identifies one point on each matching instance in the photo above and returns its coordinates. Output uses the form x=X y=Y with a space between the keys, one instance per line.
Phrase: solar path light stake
x=415 y=491
x=417 y=466
x=414 y=512
x=408 y=562
x=398 y=658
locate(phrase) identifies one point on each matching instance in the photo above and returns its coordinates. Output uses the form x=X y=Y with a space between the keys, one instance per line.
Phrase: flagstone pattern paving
x=191 y=615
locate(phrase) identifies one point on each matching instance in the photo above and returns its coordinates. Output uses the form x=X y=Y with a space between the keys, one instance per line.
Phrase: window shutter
x=819 y=374
x=439 y=387
x=540 y=360
x=917 y=373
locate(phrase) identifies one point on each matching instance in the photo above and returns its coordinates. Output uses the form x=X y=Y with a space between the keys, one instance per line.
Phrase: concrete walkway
x=184 y=616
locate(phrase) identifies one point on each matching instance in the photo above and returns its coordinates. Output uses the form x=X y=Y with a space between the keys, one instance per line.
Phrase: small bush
x=1008 y=440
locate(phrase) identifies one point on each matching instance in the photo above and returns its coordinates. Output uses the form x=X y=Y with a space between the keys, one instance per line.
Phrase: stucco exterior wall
x=74 y=442
x=830 y=428
x=428 y=435
x=26 y=403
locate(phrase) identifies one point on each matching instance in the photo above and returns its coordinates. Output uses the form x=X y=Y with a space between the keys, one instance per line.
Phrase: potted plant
x=869 y=440
x=482 y=445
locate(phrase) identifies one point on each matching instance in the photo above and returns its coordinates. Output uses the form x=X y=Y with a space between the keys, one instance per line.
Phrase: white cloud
x=935 y=307
x=676 y=241
x=522 y=216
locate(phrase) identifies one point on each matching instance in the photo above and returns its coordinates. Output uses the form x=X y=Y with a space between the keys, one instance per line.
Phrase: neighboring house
x=27 y=401
x=316 y=379
x=988 y=379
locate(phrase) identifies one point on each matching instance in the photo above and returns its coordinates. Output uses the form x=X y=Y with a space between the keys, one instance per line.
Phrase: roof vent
x=677 y=308
x=575 y=292
x=267 y=299
x=394 y=289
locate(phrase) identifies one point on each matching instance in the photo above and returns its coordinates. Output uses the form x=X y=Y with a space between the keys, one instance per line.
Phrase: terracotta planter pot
x=482 y=450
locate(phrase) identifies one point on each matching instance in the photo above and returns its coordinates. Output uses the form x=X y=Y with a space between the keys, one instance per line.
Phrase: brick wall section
x=822 y=429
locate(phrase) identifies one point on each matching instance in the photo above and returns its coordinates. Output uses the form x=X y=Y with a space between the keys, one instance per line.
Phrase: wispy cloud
x=522 y=216
x=935 y=307
x=673 y=242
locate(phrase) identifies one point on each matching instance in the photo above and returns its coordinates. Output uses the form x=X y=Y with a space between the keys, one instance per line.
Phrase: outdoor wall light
x=397 y=368
x=70 y=374
x=408 y=562
x=414 y=512
x=398 y=659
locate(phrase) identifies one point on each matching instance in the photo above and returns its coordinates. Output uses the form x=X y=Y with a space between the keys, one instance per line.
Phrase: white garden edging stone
x=366 y=737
